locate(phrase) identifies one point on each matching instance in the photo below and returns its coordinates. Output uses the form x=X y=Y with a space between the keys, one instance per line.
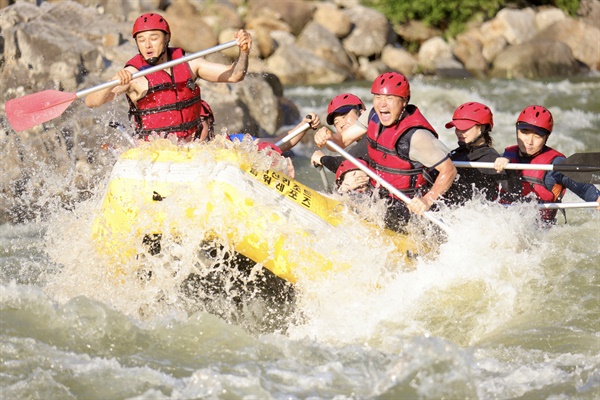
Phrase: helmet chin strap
x=472 y=142
x=153 y=60
x=400 y=116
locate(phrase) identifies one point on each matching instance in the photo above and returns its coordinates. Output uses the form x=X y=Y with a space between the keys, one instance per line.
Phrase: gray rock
x=535 y=59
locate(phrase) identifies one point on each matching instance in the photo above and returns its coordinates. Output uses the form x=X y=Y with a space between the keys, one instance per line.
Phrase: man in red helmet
x=168 y=102
x=473 y=123
x=343 y=112
x=402 y=148
x=534 y=126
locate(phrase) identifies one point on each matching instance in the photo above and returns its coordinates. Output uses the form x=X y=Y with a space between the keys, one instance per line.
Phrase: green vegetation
x=451 y=16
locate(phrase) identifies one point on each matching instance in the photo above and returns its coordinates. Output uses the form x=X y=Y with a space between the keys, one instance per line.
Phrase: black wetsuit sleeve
x=332 y=162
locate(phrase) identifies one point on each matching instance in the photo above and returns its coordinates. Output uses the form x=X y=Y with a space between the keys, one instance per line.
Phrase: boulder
x=334 y=19
x=370 y=70
x=548 y=16
x=189 y=30
x=319 y=40
x=468 y=49
x=589 y=11
x=416 y=31
x=535 y=59
x=296 y=66
x=517 y=26
x=295 y=13
x=433 y=52
x=370 y=34
x=492 y=40
x=262 y=102
x=399 y=60
x=583 y=39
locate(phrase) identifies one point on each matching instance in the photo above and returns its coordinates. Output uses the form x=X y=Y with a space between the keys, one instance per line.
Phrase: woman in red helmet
x=473 y=123
x=534 y=126
x=168 y=101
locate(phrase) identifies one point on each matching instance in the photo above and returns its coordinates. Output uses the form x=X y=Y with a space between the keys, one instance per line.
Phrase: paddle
x=33 y=109
x=581 y=167
x=563 y=206
x=323 y=178
x=428 y=214
x=292 y=134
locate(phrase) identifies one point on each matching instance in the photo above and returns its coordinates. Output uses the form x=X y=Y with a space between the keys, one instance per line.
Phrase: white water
x=502 y=309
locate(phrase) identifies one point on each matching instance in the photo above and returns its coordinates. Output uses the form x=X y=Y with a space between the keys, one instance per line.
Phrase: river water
x=502 y=309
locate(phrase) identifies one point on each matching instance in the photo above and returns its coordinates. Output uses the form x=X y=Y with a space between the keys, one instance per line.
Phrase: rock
x=370 y=33
x=334 y=19
x=517 y=26
x=492 y=40
x=535 y=59
x=296 y=13
x=320 y=41
x=370 y=70
x=416 y=31
x=583 y=39
x=399 y=60
x=295 y=66
x=432 y=52
x=267 y=23
x=282 y=38
x=548 y=16
x=468 y=49
x=262 y=102
x=188 y=29
x=451 y=68
x=263 y=42
x=220 y=16
x=589 y=11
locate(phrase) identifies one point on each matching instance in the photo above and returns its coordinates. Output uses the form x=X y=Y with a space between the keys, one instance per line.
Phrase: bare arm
x=101 y=97
x=447 y=170
x=342 y=139
x=314 y=122
x=215 y=72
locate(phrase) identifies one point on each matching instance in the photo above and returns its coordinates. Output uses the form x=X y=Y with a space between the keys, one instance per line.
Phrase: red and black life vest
x=397 y=168
x=533 y=180
x=172 y=103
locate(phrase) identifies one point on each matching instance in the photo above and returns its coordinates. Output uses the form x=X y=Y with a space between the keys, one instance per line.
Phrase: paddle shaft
x=385 y=184
x=520 y=166
x=324 y=178
x=293 y=134
x=169 y=64
x=563 y=206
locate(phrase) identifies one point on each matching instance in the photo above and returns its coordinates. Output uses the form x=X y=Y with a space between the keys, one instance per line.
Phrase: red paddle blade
x=31 y=110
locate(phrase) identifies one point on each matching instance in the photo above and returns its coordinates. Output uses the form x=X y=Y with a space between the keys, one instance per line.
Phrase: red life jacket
x=172 y=103
x=397 y=168
x=533 y=180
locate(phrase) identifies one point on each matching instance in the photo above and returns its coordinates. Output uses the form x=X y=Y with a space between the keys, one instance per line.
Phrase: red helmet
x=342 y=104
x=470 y=114
x=347 y=166
x=392 y=83
x=150 y=22
x=533 y=117
x=270 y=147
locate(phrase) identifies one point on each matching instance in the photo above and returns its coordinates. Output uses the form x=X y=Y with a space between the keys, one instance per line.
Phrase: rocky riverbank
x=73 y=45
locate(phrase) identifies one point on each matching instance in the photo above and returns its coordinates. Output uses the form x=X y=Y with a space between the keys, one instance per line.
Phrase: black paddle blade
x=581 y=167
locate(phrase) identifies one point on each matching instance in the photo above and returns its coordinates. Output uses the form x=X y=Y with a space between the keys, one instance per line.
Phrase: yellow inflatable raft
x=194 y=194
